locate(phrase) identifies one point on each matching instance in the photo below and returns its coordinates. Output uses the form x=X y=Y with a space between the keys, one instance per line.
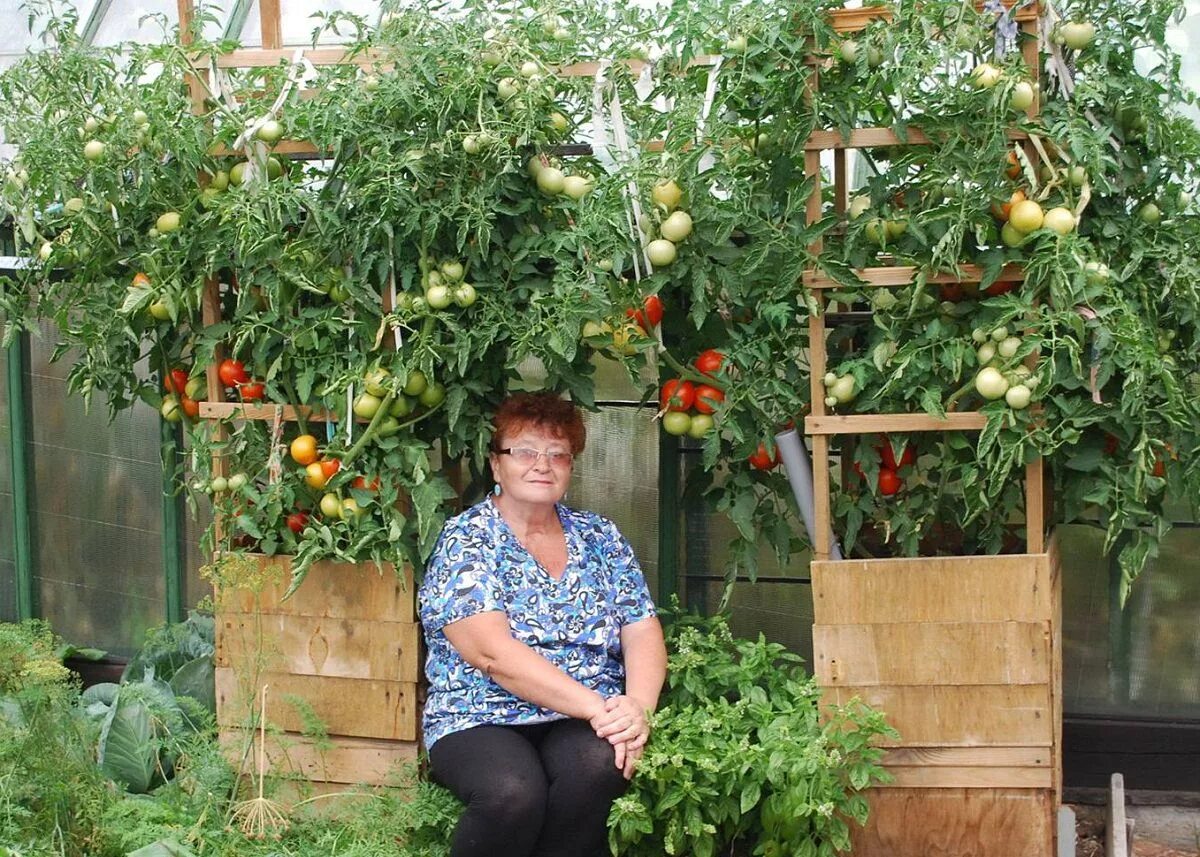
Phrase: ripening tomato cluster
x=183 y=395
x=889 y=481
x=687 y=407
x=234 y=376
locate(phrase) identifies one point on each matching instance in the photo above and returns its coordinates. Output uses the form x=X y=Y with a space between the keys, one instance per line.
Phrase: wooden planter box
x=347 y=644
x=964 y=656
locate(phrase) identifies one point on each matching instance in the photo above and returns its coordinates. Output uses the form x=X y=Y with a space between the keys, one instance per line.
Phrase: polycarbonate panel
x=617 y=476
x=782 y=612
x=144 y=21
x=298 y=23
x=1159 y=677
x=96 y=506
x=8 y=569
x=18 y=37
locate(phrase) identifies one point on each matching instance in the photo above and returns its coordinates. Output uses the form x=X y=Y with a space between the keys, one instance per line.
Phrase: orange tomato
x=330 y=466
x=1001 y=210
x=304 y=449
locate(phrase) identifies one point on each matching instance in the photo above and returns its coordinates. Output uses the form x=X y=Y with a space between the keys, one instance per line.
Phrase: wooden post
x=272 y=24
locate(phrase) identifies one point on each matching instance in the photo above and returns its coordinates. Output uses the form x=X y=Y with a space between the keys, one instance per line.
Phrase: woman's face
x=540 y=480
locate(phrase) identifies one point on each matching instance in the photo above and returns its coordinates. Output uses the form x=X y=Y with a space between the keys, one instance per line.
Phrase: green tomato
x=677 y=423
x=416 y=383
x=701 y=425
x=377 y=381
x=433 y=395
x=401 y=407
x=366 y=405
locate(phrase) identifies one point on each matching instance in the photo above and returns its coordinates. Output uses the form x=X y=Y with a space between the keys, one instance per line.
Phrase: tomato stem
x=372 y=427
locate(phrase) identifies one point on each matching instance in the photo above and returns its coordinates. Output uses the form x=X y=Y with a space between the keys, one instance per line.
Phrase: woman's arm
x=645 y=661
x=486 y=643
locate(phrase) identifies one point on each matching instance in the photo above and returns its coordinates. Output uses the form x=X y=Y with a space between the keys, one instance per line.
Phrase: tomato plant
x=453 y=237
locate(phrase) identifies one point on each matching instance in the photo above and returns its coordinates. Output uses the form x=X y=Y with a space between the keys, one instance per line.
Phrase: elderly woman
x=545 y=652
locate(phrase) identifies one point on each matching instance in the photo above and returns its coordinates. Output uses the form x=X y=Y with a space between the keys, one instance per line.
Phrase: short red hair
x=545 y=411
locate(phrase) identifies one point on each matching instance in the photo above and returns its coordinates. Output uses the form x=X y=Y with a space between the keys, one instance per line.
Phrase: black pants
x=542 y=790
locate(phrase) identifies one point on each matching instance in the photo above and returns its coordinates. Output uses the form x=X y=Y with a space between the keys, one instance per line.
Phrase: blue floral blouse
x=574 y=622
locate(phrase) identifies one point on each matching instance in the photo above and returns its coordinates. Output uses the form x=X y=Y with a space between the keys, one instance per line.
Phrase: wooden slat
x=969 y=777
x=932 y=653
x=318 y=646
x=271 y=57
x=283 y=147
x=960 y=716
x=349 y=762
x=884 y=423
x=333 y=590
x=363 y=708
x=964 y=757
x=869 y=138
x=851 y=20
x=240 y=411
x=933 y=589
x=957 y=823
x=903 y=275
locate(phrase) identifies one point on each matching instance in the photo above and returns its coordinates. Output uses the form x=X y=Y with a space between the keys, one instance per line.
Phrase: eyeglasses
x=529 y=456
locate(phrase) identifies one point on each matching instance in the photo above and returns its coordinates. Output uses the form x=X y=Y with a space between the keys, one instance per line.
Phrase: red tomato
x=999 y=289
x=1160 y=468
x=360 y=482
x=191 y=408
x=888 y=456
x=1111 y=443
x=677 y=395
x=952 y=292
x=761 y=460
x=653 y=306
x=330 y=466
x=638 y=317
x=889 y=483
x=707 y=398
x=232 y=372
x=252 y=392
x=297 y=521
x=176 y=381
x=709 y=362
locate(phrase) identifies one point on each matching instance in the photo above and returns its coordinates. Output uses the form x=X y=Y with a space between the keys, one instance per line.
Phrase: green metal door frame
x=172 y=519
x=18 y=452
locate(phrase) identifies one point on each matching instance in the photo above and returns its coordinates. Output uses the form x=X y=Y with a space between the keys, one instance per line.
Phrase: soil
x=1089 y=833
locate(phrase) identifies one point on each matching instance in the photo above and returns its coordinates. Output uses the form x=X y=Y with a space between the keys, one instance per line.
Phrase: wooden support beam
x=902 y=275
x=885 y=423
x=243 y=411
x=867 y=138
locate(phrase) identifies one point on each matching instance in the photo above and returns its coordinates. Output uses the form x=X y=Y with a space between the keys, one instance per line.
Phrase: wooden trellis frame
x=822 y=425
x=963 y=654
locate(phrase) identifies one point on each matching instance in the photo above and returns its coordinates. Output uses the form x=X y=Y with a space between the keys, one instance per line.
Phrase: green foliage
x=428 y=167
x=51 y=791
x=742 y=758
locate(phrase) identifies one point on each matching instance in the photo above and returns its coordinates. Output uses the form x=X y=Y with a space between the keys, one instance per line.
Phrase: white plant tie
x=275 y=462
x=708 y=160
x=621 y=138
x=601 y=150
x=300 y=70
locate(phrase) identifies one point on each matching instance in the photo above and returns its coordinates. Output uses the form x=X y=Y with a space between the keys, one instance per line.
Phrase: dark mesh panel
x=97 y=512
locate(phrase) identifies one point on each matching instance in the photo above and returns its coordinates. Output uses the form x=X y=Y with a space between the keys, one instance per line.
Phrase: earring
x=496 y=490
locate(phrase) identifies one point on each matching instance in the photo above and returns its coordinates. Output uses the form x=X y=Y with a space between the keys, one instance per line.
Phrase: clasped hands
x=623 y=724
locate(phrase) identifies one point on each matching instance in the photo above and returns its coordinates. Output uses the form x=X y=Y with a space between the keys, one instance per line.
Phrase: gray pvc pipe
x=795 y=459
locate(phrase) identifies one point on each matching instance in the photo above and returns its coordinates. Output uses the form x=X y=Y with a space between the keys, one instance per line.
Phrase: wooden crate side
x=939 y=589
x=957 y=823
x=334 y=590
x=319 y=646
x=960 y=716
x=365 y=708
x=349 y=761
x=969 y=777
x=932 y=653
x=966 y=757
